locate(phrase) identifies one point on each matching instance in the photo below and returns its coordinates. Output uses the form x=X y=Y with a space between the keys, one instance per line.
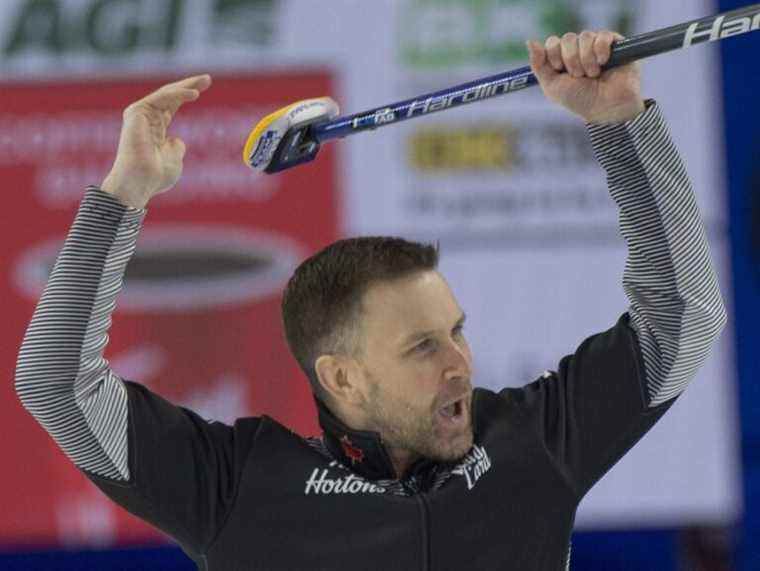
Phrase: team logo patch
x=326 y=481
x=473 y=466
x=354 y=453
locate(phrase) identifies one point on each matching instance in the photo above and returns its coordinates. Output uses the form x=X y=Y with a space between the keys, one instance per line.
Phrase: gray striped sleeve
x=675 y=304
x=61 y=376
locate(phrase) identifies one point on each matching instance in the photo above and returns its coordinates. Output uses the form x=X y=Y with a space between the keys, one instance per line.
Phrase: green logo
x=250 y=22
x=449 y=33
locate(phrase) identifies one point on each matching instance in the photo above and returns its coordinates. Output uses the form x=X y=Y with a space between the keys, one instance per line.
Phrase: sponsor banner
x=529 y=173
x=60 y=36
x=199 y=318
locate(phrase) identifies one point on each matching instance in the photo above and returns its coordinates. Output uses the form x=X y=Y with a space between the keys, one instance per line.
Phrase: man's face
x=416 y=366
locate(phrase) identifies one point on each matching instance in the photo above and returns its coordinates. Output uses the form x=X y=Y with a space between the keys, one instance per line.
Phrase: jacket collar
x=363 y=451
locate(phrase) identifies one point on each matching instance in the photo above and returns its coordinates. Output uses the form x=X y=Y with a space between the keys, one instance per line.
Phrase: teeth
x=449 y=411
x=453 y=410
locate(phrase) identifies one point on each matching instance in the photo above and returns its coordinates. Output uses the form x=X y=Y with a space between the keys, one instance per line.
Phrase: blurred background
x=528 y=235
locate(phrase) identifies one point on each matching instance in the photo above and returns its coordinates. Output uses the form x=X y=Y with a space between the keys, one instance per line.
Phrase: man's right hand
x=147 y=161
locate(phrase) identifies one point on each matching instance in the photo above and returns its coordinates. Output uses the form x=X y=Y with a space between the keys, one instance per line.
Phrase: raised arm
x=675 y=303
x=607 y=394
x=163 y=463
x=61 y=375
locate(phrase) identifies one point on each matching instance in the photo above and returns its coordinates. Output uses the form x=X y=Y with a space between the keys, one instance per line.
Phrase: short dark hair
x=322 y=300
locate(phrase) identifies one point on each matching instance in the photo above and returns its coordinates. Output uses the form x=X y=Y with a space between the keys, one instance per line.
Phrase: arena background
x=528 y=234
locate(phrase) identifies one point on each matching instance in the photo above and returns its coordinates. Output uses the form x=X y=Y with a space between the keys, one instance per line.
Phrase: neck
x=402 y=459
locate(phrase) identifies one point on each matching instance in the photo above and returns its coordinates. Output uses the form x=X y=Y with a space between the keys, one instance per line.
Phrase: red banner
x=198 y=320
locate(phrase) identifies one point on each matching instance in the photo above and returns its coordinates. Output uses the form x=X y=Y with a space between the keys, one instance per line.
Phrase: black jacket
x=257 y=496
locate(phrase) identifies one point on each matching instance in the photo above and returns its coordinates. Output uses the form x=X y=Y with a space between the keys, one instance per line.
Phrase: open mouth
x=454 y=412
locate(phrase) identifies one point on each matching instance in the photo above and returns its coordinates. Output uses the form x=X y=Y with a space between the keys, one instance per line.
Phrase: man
x=415 y=470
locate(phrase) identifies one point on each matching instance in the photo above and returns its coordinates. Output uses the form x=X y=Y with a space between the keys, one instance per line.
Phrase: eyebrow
x=417 y=335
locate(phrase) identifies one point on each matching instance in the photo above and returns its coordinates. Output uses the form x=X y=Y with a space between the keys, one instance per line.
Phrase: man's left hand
x=569 y=72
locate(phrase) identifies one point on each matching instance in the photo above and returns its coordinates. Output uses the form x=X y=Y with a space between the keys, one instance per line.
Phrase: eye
x=424 y=346
x=458 y=331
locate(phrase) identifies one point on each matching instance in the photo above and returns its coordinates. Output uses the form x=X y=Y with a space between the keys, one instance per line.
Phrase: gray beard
x=407 y=430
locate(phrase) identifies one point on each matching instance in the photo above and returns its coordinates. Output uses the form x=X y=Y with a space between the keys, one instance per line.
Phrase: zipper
x=425 y=516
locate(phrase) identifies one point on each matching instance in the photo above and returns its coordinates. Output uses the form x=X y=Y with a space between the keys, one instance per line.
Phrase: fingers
x=554 y=53
x=571 y=56
x=603 y=46
x=175 y=148
x=580 y=55
x=587 y=56
x=539 y=62
x=198 y=82
x=169 y=98
x=195 y=84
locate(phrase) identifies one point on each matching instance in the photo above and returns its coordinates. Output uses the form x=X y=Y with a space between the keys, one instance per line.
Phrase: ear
x=338 y=378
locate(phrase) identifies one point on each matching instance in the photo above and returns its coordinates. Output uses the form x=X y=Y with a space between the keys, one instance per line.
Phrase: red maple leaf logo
x=355 y=454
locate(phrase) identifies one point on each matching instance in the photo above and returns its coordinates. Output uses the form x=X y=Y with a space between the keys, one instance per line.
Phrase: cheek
x=427 y=385
x=416 y=384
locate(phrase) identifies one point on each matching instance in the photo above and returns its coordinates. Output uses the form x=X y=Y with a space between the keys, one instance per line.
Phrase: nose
x=458 y=360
